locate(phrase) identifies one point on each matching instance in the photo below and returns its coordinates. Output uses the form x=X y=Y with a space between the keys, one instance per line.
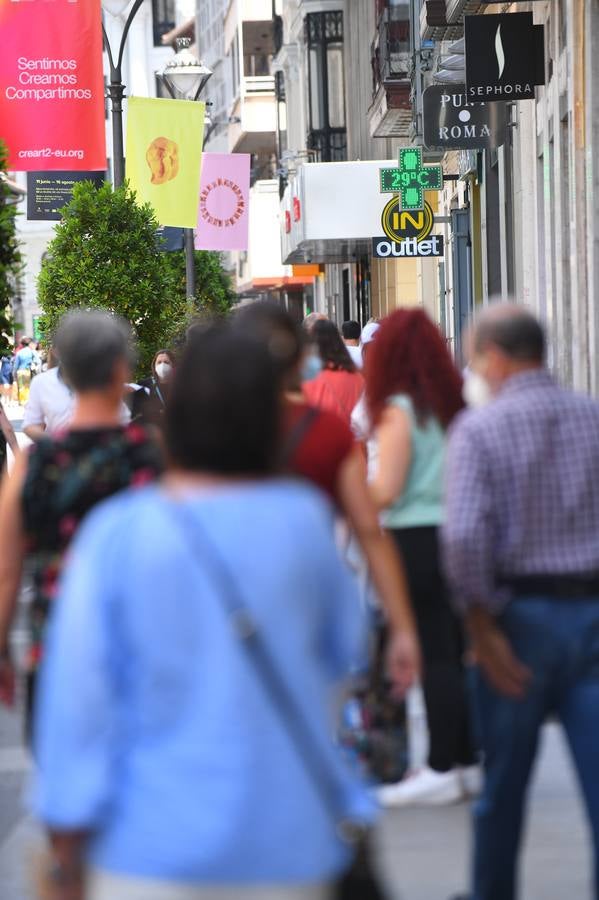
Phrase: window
x=324 y=40
x=256 y=64
x=163 y=17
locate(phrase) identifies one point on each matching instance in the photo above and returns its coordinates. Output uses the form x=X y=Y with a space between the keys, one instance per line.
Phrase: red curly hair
x=409 y=356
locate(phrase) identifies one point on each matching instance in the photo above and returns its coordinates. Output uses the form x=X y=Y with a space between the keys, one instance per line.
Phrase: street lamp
x=185 y=77
x=116 y=88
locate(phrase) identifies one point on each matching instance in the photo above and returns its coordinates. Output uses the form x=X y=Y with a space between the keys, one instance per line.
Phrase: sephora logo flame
x=499 y=52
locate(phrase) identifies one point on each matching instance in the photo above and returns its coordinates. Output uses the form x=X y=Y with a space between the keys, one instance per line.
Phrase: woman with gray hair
x=52 y=487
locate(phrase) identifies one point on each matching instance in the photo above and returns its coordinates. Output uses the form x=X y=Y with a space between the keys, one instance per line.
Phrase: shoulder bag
x=359 y=882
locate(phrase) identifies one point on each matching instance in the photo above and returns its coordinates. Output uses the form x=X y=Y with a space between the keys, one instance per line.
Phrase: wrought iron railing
x=328 y=144
x=391 y=58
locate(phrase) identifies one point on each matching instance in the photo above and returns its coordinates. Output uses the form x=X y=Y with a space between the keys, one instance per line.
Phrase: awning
x=285 y=282
x=331 y=211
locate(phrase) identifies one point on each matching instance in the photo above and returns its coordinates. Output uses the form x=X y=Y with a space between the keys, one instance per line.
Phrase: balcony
x=258 y=84
x=253 y=117
x=443 y=20
x=255 y=106
x=390 y=114
x=328 y=144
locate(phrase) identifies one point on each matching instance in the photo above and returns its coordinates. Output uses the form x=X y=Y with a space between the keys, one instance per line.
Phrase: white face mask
x=476 y=391
x=163 y=370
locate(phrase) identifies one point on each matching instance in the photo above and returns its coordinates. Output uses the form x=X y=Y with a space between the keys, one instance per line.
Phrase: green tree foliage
x=106 y=254
x=11 y=260
x=213 y=294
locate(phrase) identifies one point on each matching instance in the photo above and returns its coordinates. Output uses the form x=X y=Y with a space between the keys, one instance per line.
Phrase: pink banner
x=223 y=213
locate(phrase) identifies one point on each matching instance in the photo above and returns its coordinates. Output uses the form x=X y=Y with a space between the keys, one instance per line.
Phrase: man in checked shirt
x=521 y=547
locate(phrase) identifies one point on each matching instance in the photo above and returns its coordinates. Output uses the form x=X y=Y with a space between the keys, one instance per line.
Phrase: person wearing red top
x=325 y=443
x=339 y=386
x=319 y=446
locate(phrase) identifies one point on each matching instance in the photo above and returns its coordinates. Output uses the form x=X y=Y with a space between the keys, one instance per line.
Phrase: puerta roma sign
x=411 y=179
x=450 y=121
x=504 y=57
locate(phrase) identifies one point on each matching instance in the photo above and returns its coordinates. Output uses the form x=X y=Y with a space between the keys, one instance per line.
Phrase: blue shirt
x=153 y=730
x=25 y=359
x=522 y=490
x=421 y=500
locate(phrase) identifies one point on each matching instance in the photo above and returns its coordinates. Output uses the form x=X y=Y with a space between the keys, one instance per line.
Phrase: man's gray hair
x=311 y=319
x=89 y=343
x=513 y=329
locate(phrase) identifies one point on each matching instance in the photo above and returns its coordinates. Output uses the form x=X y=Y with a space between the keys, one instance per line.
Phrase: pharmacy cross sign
x=411 y=179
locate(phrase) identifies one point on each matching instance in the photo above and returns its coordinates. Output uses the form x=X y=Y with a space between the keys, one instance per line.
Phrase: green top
x=421 y=501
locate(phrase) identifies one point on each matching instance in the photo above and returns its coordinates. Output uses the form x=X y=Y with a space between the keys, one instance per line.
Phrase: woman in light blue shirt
x=414 y=391
x=164 y=770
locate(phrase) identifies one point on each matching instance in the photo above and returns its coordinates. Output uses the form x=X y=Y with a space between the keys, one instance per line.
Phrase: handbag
x=373 y=727
x=360 y=881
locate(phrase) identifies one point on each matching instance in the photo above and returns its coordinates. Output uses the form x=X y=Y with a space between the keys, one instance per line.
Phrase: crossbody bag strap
x=274 y=685
x=295 y=437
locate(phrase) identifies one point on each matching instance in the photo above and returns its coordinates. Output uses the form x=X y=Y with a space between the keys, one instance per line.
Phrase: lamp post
x=185 y=77
x=116 y=88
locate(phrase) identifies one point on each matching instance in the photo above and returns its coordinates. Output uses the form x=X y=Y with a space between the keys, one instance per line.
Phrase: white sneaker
x=472 y=780
x=426 y=788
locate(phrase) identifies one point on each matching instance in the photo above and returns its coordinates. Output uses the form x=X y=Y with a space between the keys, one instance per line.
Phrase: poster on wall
x=49 y=192
x=52 y=85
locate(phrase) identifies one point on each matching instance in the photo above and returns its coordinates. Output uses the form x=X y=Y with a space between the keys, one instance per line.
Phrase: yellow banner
x=164 y=157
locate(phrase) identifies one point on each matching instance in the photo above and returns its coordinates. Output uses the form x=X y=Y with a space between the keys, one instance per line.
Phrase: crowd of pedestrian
x=222 y=551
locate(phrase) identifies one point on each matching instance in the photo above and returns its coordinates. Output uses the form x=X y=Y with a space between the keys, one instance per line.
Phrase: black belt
x=558 y=586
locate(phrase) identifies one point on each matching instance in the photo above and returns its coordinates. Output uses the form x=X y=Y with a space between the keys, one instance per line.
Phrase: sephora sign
x=504 y=57
x=452 y=122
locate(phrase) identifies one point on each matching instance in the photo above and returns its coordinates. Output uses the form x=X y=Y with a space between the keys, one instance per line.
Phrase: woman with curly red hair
x=413 y=392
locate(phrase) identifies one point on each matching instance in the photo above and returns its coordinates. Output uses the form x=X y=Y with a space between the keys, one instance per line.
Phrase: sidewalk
x=425 y=853
x=422 y=853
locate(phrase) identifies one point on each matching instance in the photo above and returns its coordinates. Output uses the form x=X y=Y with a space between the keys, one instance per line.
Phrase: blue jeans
x=559 y=641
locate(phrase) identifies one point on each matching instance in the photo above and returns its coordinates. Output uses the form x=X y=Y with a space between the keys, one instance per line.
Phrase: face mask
x=163 y=370
x=311 y=367
x=476 y=391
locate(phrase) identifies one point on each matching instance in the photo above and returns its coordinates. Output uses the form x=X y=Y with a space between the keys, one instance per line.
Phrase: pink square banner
x=223 y=212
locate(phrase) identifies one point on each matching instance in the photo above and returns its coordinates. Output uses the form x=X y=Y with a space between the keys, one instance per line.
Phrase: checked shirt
x=522 y=488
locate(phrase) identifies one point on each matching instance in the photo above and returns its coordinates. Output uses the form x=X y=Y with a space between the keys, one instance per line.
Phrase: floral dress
x=66 y=477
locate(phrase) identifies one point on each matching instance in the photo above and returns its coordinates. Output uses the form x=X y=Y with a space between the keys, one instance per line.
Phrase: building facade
x=518 y=215
x=236 y=38
x=343 y=75
x=523 y=215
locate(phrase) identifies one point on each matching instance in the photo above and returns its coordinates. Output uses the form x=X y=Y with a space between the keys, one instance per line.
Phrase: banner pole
x=190 y=266
x=116 y=92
